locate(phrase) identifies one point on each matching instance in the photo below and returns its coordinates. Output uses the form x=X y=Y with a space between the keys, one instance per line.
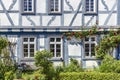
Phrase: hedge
x=89 y=76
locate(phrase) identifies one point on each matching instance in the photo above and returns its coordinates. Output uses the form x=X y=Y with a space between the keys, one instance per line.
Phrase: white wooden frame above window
x=55 y=7
x=28 y=6
x=91 y=7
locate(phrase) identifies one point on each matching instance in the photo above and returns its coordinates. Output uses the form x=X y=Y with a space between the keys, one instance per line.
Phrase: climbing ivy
x=107 y=44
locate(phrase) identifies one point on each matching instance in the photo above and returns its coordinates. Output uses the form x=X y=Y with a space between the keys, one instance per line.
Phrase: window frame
x=59 y=12
x=28 y=12
x=95 y=9
x=28 y=43
x=90 y=42
x=55 y=43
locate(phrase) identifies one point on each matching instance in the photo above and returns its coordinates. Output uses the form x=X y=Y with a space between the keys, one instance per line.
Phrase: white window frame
x=28 y=43
x=95 y=7
x=90 y=42
x=28 y=12
x=55 y=43
x=54 y=11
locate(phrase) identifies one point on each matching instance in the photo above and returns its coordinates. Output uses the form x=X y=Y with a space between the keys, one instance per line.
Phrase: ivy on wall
x=107 y=44
x=81 y=34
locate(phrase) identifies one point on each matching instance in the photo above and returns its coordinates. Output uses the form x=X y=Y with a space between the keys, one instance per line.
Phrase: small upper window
x=55 y=6
x=90 y=6
x=28 y=6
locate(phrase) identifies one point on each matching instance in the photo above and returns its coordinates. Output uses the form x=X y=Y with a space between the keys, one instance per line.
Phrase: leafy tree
x=3 y=63
x=42 y=61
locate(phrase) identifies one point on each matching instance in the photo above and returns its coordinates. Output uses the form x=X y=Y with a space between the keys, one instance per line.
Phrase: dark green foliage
x=3 y=43
x=42 y=60
x=89 y=76
x=109 y=64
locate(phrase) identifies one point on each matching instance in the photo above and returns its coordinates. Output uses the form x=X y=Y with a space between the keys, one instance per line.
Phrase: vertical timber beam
x=65 y=47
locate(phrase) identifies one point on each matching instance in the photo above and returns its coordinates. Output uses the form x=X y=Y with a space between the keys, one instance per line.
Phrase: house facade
x=33 y=25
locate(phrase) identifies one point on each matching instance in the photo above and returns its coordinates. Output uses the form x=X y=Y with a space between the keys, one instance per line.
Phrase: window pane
x=58 y=46
x=31 y=39
x=31 y=54
x=86 y=54
x=58 y=54
x=92 y=38
x=32 y=46
x=52 y=39
x=52 y=50
x=32 y=50
x=25 y=54
x=25 y=39
x=86 y=39
x=90 y=5
x=25 y=46
x=56 y=5
x=92 y=50
x=58 y=39
x=51 y=46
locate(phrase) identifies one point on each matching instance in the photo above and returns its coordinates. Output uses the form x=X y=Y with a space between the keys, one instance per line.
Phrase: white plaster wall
x=74 y=50
x=55 y=22
x=67 y=19
x=90 y=64
x=109 y=3
x=42 y=42
x=4 y=20
x=41 y=6
x=57 y=63
x=13 y=39
x=78 y=20
x=92 y=22
x=15 y=18
x=112 y=21
x=73 y=3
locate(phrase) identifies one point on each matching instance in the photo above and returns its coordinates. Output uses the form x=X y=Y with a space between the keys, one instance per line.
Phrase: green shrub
x=46 y=66
x=109 y=64
x=89 y=76
x=74 y=66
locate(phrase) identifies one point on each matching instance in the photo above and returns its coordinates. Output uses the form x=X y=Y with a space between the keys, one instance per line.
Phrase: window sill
x=28 y=13
x=27 y=59
x=90 y=13
x=91 y=58
x=54 y=13
x=56 y=59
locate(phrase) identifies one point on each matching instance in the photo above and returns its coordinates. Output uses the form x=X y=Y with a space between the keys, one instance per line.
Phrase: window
x=89 y=45
x=90 y=6
x=28 y=47
x=28 y=6
x=55 y=6
x=56 y=47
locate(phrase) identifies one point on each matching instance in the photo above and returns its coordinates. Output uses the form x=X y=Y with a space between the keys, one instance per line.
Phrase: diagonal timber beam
x=79 y=6
x=5 y=10
x=109 y=15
